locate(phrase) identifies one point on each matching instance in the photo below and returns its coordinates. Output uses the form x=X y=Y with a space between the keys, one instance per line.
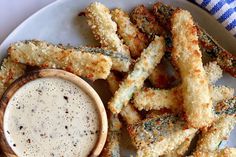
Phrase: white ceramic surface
x=13 y=12
x=59 y=23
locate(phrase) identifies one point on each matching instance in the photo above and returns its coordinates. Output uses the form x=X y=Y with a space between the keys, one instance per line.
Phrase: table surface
x=14 y=12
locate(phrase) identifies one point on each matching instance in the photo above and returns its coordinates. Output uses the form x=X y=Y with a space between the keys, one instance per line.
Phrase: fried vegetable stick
x=132 y=37
x=104 y=29
x=162 y=134
x=146 y=21
x=146 y=99
x=207 y=44
x=112 y=146
x=118 y=58
x=43 y=54
x=173 y=98
x=128 y=112
x=186 y=54
x=10 y=71
x=158 y=136
x=182 y=148
x=226 y=152
x=219 y=131
x=142 y=69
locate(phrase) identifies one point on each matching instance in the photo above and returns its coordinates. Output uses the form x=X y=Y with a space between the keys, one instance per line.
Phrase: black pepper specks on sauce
x=43 y=117
x=66 y=98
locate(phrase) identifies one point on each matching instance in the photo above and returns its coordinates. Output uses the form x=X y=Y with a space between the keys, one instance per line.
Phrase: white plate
x=59 y=23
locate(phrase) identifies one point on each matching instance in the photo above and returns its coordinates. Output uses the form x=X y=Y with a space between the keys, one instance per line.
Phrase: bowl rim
x=54 y=73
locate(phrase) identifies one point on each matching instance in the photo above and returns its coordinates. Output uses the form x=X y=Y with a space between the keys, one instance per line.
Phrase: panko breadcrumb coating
x=149 y=58
x=219 y=131
x=226 y=152
x=112 y=145
x=208 y=45
x=128 y=112
x=213 y=71
x=186 y=54
x=10 y=71
x=104 y=29
x=160 y=135
x=182 y=148
x=173 y=98
x=132 y=37
x=46 y=55
x=146 y=21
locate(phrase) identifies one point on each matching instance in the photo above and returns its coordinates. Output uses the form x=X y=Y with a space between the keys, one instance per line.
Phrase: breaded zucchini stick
x=146 y=99
x=173 y=98
x=128 y=112
x=158 y=136
x=104 y=29
x=112 y=146
x=132 y=37
x=146 y=21
x=225 y=59
x=10 y=71
x=43 y=54
x=226 y=152
x=219 y=131
x=162 y=134
x=142 y=69
x=186 y=54
x=207 y=44
x=118 y=58
x=182 y=148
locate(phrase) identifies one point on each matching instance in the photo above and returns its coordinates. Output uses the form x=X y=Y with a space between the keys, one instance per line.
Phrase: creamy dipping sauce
x=51 y=117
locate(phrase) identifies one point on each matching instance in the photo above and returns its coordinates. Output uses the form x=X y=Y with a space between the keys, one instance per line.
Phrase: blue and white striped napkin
x=223 y=10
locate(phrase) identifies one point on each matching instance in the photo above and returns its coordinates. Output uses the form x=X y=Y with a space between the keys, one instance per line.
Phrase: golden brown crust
x=146 y=21
x=226 y=152
x=132 y=37
x=112 y=145
x=219 y=131
x=9 y=72
x=182 y=148
x=187 y=56
x=159 y=135
x=104 y=29
x=128 y=112
x=172 y=99
x=46 y=55
x=142 y=69
x=208 y=45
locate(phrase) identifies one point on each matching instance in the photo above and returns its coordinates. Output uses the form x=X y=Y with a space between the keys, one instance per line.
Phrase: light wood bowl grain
x=7 y=150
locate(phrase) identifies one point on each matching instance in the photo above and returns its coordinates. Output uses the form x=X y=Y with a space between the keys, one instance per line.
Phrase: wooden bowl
x=7 y=150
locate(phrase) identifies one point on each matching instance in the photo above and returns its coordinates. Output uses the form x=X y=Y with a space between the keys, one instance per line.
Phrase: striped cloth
x=223 y=10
